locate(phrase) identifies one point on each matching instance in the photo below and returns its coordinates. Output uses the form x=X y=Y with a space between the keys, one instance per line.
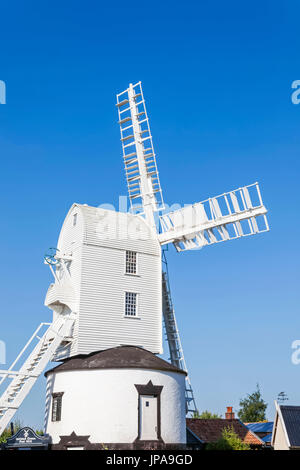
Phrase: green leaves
x=228 y=441
x=206 y=415
x=253 y=408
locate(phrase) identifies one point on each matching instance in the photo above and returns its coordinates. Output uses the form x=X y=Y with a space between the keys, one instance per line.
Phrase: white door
x=148 y=418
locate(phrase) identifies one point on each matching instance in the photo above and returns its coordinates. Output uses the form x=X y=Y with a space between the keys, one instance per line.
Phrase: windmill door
x=148 y=418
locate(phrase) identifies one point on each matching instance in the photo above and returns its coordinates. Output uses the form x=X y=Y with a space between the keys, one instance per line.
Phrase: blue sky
x=217 y=81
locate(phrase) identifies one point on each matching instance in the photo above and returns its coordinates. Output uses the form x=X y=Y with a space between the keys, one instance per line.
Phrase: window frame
x=136 y=264
x=57 y=417
x=136 y=304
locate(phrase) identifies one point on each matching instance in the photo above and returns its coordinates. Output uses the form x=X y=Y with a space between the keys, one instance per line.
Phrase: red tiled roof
x=210 y=430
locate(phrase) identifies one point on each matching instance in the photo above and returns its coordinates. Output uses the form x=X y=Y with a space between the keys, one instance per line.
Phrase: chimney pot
x=229 y=413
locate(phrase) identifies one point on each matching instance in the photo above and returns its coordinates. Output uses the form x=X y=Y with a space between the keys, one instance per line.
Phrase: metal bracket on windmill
x=54 y=258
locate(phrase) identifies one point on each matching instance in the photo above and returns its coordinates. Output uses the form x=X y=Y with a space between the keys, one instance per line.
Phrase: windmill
x=228 y=216
x=89 y=292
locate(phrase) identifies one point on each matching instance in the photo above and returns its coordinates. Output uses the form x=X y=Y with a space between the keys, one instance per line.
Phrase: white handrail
x=24 y=349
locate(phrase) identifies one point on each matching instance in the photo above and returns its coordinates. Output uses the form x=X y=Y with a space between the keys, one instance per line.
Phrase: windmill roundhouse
x=124 y=397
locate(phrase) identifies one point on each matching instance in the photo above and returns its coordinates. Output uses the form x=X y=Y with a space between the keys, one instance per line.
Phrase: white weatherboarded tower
x=102 y=258
x=109 y=295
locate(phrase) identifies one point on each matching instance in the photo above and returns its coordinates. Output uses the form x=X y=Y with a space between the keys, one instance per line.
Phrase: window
x=130 y=304
x=131 y=262
x=56 y=406
x=74 y=219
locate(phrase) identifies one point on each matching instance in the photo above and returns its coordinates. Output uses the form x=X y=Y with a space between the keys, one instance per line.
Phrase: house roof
x=291 y=421
x=121 y=357
x=260 y=427
x=267 y=438
x=210 y=430
x=192 y=438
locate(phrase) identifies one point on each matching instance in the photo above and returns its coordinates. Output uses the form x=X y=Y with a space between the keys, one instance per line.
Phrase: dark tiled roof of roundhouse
x=121 y=357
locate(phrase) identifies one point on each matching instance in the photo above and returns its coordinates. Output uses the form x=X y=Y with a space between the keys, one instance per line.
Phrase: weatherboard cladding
x=62 y=293
x=100 y=282
x=127 y=231
x=102 y=301
x=70 y=243
x=121 y=357
x=291 y=418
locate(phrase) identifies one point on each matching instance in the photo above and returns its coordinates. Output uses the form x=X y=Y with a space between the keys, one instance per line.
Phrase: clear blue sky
x=217 y=79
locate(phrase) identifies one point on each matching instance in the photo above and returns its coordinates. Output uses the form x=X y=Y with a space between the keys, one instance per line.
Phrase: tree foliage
x=17 y=426
x=229 y=441
x=253 y=407
x=4 y=436
x=7 y=432
x=206 y=415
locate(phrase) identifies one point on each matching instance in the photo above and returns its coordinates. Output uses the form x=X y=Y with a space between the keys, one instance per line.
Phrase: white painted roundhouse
x=124 y=397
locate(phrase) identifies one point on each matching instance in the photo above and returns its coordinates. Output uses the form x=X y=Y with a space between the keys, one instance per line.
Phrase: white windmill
x=109 y=287
x=225 y=217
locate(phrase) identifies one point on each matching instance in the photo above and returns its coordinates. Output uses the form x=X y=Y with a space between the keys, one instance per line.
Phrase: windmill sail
x=231 y=215
x=142 y=176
